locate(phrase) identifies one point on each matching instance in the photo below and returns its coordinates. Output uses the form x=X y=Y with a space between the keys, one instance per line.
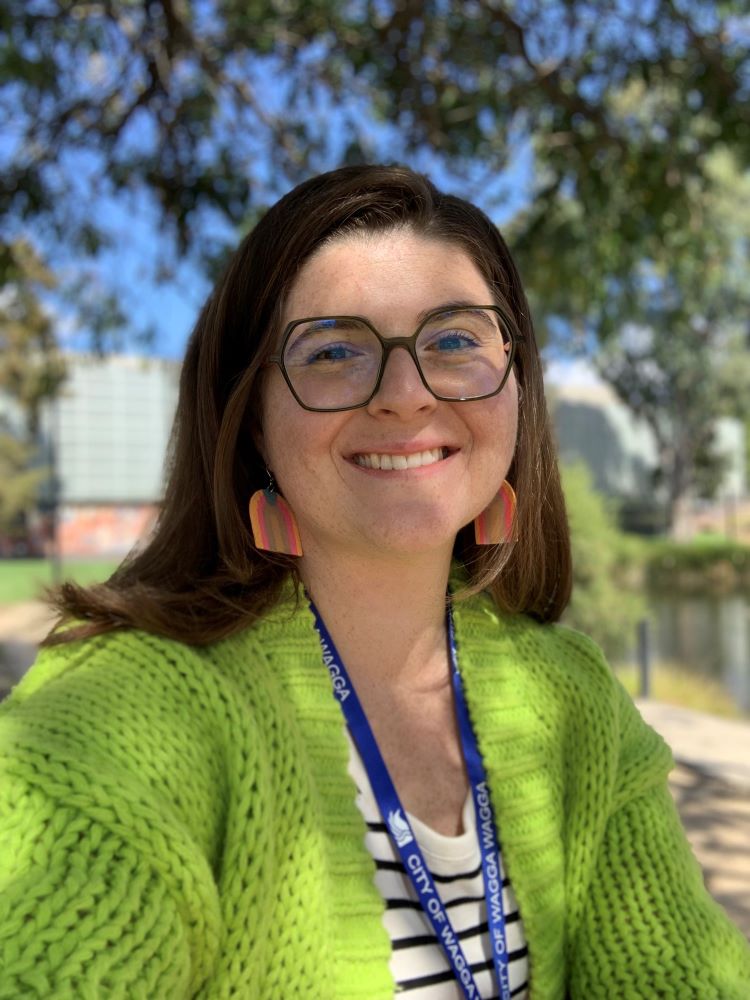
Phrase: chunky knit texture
x=179 y=822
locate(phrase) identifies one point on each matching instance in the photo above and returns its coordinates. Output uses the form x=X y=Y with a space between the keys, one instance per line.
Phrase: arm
x=104 y=891
x=82 y=912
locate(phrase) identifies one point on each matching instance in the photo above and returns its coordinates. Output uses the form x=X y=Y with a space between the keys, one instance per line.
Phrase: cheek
x=297 y=444
x=276 y=417
x=502 y=423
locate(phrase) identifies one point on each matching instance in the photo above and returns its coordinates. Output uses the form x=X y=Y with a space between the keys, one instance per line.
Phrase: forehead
x=388 y=277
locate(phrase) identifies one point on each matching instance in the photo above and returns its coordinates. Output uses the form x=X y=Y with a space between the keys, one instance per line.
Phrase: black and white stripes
x=418 y=964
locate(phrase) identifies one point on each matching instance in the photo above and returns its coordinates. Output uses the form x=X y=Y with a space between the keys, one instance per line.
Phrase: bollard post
x=644 y=658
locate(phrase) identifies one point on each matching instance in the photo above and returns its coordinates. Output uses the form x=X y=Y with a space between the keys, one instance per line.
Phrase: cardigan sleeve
x=105 y=890
x=649 y=928
x=82 y=911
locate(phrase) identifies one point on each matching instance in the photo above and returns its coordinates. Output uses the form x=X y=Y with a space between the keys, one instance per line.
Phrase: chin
x=411 y=539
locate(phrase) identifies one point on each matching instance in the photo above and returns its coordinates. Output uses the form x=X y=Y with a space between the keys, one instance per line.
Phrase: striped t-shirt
x=418 y=963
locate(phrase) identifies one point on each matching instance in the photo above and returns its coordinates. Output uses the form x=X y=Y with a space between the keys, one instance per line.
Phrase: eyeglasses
x=337 y=362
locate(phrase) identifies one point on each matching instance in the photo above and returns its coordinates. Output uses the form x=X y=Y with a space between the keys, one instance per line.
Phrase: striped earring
x=273 y=523
x=496 y=522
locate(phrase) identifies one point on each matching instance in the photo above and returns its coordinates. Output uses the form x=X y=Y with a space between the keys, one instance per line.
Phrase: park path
x=710 y=784
x=22 y=626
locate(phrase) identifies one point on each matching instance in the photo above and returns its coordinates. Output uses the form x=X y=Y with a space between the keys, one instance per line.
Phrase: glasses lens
x=332 y=362
x=464 y=353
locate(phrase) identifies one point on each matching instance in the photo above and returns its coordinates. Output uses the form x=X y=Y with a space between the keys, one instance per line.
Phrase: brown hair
x=199 y=576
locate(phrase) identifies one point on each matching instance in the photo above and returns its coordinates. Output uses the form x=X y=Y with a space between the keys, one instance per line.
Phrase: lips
x=385 y=461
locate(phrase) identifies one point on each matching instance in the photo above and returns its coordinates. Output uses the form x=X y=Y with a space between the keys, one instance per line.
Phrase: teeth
x=373 y=460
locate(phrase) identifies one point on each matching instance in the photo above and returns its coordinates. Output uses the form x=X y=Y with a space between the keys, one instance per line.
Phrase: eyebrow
x=451 y=306
x=331 y=322
x=322 y=322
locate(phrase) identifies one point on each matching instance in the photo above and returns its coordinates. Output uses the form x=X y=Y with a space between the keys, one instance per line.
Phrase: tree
x=602 y=605
x=31 y=371
x=682 y=358
x=210 y=110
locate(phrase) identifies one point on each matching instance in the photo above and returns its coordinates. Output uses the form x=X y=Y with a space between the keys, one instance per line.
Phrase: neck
x=386 y=616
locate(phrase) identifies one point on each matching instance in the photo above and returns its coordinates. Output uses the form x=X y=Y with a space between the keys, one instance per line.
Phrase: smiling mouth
x=397 y=463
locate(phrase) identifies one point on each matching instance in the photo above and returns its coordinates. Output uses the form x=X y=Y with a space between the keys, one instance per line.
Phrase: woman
x=269 y=757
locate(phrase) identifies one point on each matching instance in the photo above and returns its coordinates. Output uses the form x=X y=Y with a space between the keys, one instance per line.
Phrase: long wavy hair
x=199 y=576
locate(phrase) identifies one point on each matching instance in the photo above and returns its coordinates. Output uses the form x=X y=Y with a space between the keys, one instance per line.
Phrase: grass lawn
x=22 y=579
x=676 y=685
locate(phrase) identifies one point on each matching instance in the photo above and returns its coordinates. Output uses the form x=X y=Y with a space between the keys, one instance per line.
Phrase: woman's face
x=391 y=279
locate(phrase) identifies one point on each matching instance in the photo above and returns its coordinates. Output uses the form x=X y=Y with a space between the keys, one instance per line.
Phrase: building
x=107 y=437
x=593 y=426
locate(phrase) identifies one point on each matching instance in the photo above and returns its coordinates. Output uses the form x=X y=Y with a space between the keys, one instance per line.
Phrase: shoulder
x=560 y=679
x=128 y=720
x=144 y=703
x=118 y=672
x=552 y=650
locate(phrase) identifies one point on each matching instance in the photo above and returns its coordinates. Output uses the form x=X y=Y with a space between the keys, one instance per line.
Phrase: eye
x=449 y=341
x=454 y=341
x=332 y=352
x=330 y=343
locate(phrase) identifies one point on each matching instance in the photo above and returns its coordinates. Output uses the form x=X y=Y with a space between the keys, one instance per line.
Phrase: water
x=708 y=635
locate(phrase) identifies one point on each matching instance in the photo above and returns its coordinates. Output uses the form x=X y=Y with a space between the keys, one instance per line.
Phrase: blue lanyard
x=401 y=831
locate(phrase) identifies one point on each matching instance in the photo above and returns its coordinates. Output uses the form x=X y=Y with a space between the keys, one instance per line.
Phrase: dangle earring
x=495 y=524
x=273 y=523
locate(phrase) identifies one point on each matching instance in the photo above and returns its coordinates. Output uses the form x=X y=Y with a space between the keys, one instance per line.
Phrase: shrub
x=605 y=603
x=706 y=564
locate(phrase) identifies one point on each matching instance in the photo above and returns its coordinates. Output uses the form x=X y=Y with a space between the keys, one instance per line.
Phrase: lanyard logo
x=400 y=829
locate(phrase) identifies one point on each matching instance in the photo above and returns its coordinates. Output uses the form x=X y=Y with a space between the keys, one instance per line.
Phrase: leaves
x=189 y=100
x=680 y=359
x=602 y=605
x=31 y=371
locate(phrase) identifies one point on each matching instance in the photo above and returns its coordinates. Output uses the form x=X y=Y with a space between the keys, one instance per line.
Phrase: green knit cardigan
x=179 y=822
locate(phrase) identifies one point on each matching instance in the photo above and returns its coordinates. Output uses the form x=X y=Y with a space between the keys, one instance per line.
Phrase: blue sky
x=163 y=293
x=160 y=292
x=171 y=307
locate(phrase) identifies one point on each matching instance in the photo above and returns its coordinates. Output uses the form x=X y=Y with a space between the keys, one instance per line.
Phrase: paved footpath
x=711 y=786
x=22 y=626
x=711 y=783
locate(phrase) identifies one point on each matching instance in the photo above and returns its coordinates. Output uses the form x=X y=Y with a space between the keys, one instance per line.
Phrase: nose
x=401 y=391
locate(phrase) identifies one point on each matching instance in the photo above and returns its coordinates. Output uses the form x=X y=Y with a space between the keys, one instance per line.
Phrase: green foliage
x=704 y=565
x=31 y=371
x=603 y=604
x=218 y=107
x=675 y=685
x=681 y=359
x=19 y=482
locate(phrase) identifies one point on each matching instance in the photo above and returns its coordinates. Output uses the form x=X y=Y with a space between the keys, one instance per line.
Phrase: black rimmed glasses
x=337 y=362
